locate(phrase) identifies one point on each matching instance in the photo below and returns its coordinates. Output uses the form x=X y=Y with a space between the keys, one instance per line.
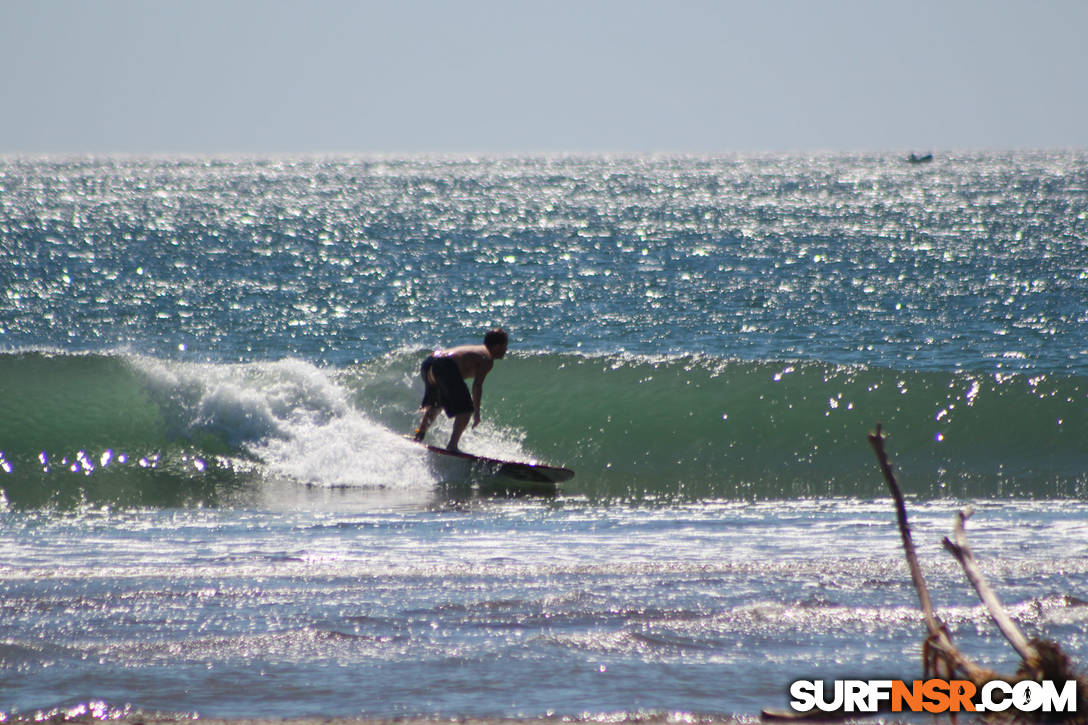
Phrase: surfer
x=444 y=374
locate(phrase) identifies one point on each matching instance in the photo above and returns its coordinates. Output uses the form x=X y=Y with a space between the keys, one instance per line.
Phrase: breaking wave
x=139 y=430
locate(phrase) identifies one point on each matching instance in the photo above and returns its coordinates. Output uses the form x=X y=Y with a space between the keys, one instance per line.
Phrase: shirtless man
x=444 y=374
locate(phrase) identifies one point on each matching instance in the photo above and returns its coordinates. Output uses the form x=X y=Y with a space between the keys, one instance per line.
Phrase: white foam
x=349 y=450
x=293 y=417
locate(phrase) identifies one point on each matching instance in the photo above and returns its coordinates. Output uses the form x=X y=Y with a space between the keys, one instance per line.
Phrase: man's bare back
x=472 y=360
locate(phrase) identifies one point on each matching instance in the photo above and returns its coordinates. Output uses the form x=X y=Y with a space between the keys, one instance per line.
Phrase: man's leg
x=459 y=425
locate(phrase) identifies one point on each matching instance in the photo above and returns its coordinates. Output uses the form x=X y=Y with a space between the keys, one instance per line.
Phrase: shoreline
x=89 y=715
x=93 y=712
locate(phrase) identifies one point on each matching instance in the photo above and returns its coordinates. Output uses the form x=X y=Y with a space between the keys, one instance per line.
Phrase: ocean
x=208 y=367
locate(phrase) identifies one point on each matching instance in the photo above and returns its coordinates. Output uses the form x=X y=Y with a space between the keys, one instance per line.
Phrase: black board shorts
x=449 y=389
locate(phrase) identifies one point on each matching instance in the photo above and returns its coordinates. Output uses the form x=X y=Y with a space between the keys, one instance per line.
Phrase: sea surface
x=208 y=366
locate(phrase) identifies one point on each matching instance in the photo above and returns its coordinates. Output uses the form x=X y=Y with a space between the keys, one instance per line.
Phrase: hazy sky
x=395 y=76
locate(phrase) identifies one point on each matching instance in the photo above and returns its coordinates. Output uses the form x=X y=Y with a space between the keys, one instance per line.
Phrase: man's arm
x=478 y=389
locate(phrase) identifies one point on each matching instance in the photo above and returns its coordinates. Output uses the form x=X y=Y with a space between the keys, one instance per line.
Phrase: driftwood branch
x=1004 y=622
x=938 y=641
x=877 y=441
x=1041 y=659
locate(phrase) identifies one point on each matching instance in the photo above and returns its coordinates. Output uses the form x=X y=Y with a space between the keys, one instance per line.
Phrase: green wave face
x=696 y=427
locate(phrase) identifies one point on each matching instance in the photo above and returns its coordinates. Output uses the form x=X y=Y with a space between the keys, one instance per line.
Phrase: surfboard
x=535 y=478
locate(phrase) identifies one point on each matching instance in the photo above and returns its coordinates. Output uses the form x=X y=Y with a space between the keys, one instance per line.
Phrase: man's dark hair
x=497 y=336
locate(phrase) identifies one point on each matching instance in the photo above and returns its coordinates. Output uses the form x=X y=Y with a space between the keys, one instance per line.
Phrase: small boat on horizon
x=916 y=159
